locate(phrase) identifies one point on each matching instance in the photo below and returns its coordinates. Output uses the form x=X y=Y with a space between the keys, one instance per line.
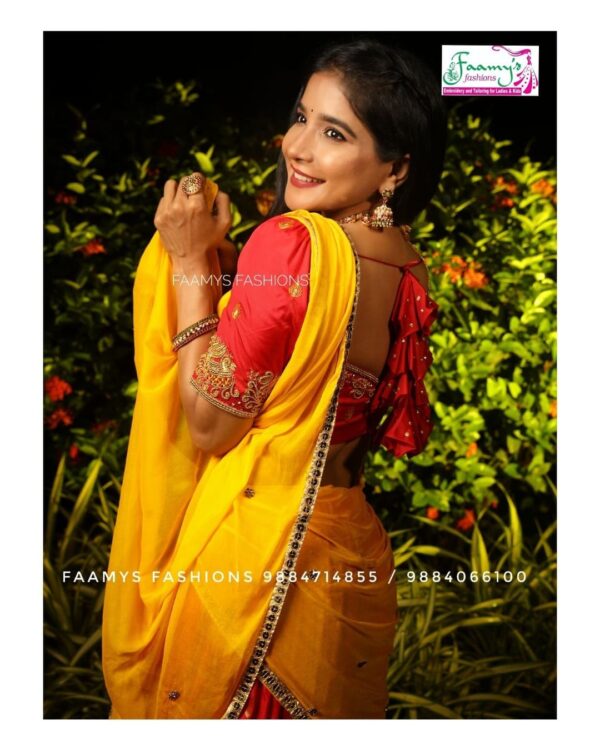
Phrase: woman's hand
x=188 y=229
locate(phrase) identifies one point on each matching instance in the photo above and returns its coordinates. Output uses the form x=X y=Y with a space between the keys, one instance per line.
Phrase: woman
x=252 y=579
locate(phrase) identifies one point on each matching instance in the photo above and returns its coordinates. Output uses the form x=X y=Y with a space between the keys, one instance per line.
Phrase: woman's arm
x=198 y=290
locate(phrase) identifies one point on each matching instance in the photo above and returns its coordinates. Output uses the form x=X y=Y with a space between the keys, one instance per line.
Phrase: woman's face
x=341 y=154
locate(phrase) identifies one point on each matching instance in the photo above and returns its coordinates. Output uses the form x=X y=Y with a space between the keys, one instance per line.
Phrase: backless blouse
x=258 y=329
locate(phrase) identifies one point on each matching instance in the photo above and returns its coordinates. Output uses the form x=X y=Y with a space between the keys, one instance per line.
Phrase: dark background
x=254 y=76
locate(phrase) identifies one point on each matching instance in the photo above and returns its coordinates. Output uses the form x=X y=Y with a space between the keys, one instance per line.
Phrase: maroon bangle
x=206 y=325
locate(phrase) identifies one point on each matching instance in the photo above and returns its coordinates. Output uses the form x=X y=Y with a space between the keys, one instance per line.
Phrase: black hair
x=395 y=95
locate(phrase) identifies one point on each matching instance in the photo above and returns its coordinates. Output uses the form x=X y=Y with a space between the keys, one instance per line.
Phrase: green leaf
x=71 y=160
x=76 y=187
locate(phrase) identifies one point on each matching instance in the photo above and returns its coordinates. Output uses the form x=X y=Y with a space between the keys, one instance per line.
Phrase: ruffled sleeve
x=407 y=428
x=258 y=328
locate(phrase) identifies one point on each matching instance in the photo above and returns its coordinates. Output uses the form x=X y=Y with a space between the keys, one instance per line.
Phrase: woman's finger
x=223 y=217
x=169 y=191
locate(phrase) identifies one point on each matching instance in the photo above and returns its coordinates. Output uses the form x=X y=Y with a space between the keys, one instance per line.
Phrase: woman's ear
x=401 y=169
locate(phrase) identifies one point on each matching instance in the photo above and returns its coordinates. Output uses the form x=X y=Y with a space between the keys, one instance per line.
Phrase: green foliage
x=476 y=635
x=489 y=235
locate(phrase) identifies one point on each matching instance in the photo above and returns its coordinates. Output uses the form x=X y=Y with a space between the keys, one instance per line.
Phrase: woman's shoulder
x=277 y=242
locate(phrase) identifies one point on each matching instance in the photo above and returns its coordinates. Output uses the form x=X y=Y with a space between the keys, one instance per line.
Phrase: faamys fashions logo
x=494 y=70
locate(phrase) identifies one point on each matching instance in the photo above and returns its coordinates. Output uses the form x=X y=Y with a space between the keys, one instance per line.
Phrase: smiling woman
x=250 y=431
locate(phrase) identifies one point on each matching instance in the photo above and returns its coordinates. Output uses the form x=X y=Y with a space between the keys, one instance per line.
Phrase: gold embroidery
x=236 y=311
x=359 y=386
x=284 y=695
x=295 y=290
x=366 y=373
x=214 y=378
x=285 y=224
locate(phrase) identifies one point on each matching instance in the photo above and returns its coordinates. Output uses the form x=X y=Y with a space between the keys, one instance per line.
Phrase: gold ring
x=192 y=184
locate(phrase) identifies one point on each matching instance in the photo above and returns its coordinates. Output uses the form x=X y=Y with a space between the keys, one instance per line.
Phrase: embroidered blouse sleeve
x=258 y=328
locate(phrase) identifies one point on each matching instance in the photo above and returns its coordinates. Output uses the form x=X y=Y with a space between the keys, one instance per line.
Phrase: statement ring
x=192 y=184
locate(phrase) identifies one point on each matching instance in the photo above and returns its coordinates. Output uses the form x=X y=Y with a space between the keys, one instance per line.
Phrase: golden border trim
x=284 y=695
x=298 y=533
x=367 y=373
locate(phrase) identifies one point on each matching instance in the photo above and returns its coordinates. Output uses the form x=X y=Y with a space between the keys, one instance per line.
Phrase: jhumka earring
x=383 y=216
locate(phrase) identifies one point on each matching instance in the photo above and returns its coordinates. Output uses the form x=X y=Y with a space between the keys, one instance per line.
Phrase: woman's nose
x=300 y=147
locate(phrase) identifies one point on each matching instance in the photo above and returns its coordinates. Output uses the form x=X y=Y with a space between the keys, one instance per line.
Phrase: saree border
x=277 y=687
x=298 y=533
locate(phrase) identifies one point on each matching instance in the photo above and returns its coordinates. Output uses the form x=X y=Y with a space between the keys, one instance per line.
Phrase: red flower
x=168 y=148
x=276 y=141
x=101 y=426
x=506 y=202
x=65 y=199
x=57 y=389
x=467 y=521
x=59 y=416
x=153 y=173
x=93 y=247
x=432 y=512
x=74 y=451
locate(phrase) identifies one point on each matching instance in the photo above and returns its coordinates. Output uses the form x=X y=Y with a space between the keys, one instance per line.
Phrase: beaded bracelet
x=207 y=324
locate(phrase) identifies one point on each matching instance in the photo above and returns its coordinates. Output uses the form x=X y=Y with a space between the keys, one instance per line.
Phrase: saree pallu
x=227 y=570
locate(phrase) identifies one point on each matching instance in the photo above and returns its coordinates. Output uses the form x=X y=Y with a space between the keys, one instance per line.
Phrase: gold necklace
x=365 y=218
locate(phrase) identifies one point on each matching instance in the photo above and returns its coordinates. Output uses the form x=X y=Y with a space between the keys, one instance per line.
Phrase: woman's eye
x=338 y=136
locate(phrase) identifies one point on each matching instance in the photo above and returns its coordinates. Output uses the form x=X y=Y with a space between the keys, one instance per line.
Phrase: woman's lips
x=298 y=183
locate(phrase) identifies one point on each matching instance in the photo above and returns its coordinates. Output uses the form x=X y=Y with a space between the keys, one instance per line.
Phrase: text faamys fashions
x=194 y=650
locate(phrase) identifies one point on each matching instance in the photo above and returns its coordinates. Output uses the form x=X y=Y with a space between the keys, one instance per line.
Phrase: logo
x=490 y=70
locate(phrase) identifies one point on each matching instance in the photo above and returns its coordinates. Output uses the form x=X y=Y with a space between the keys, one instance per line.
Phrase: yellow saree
x=243 y=567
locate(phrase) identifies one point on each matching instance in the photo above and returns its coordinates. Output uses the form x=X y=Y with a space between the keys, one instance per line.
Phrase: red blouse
x=259 y=328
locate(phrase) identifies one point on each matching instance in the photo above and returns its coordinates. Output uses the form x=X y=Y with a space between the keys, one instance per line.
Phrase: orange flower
x=474 y=279
x=454 y=269
x=432 y=512
x=74 y=451
x=57 y=389
x=452 y=273
x=93 y=247
x=467 y=521
x=59 y=416
x=553 y=410
x=471 y=450
x=264 y=201
x=502 y=184
x=543 y=187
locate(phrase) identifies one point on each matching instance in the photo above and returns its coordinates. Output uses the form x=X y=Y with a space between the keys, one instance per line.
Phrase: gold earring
x=383 y=216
